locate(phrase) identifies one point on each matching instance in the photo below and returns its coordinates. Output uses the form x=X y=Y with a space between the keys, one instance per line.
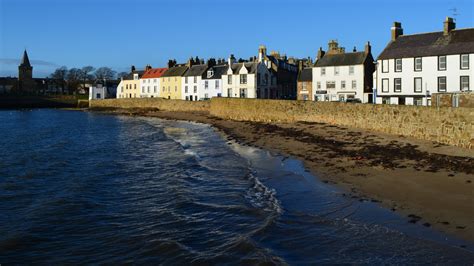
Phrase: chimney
x=368 y=48
x=354 y=50
x=320 y=53
x=449 y=25
x=132 y=69
x=262 y=52
x=190 y=62
x=333 y=47
x=300 y=65
x=147 y=67
x=171 y=63
x=211 y=62
x=397 y=30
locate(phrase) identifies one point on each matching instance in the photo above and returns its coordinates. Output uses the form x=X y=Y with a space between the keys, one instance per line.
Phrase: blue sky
x=119 y=33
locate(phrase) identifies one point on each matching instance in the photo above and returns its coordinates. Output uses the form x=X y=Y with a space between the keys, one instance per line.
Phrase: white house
x=412 y=67
x=338 y=76
x=246 y=79
x=212 y=82
x=191 y=81
x=150 y=82
x=101 y=91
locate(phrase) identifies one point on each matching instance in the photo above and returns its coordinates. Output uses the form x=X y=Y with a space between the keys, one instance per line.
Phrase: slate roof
x=430 y=44
x=154 y=73
x=345 y=59
x=196 y=70
x=219 y=70
x=130 y=75
x=306 y=75
x=176 y=71
x=251 y=67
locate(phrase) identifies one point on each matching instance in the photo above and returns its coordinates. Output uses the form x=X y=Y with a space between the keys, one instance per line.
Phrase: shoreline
x=429 y=183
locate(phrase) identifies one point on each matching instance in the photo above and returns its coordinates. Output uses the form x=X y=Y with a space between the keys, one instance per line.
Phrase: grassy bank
x=59 y=101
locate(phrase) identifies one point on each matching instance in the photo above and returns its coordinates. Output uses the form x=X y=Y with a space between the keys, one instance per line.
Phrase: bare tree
x=122 y=75
x=73 y=78
x=104 y=73
x=85 y=75
x=59 y=76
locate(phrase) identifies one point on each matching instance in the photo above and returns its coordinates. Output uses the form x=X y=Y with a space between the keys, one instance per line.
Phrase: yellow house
x=130 y=85
x=170 y=82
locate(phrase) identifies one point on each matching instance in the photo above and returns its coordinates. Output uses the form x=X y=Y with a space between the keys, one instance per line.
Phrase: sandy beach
x=429 y=183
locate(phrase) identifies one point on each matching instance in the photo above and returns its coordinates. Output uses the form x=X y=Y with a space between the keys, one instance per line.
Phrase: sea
x=90 y=188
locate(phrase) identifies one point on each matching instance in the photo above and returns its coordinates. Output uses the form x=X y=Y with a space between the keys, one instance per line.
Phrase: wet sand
x=429 y=183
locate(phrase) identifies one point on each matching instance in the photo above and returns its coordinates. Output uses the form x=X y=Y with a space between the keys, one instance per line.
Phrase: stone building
x=305 y=85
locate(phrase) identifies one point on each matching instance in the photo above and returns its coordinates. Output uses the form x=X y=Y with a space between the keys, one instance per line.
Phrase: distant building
x=103 y=90
x=150 y=82
x=171 y=82
x=339 y=75
x=412 y=67
x=191 y=85
x=129 y=86
x=26 y=84
x=305 y=85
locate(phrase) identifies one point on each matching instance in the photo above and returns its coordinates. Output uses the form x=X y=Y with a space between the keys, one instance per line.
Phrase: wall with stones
x=453 y=126
x=151 y=103
x=465 y=99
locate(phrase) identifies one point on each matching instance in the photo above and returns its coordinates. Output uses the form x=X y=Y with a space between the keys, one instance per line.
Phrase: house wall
x=150 y=88
x=308 y=91
x=191 y=95
x=333 y=94
x=214 y=88
x=171 y=87
x=132 y=91
x=429 y=75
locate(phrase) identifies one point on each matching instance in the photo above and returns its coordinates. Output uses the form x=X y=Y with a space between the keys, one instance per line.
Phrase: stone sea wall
x=151 y=103
x=453 y=126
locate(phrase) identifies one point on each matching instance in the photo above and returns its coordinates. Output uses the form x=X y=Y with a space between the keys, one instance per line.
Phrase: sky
x=121 y=33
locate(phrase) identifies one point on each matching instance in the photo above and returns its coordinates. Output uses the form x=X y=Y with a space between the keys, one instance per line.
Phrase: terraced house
x=412 y=67
x=191 y=80
x=246 y=79
x=150 y=82
x=212 y=80
x=170 y=81
x=342 y=76
x=129 y=86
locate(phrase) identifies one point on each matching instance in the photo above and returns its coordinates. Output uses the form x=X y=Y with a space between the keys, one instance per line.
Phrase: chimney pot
x=396 y=30
x=449 y=25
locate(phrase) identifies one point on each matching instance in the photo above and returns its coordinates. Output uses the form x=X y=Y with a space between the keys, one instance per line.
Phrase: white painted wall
x=150 y=88
x=214 y=88
x=429 y=75
x=334 y=94
x=193 y=83
x=251 y=85
x=120 y=90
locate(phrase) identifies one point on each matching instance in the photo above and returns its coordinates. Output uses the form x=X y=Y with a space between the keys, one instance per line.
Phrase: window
x=206 y=84
x=134 y=86
x=442 y=62
x=243 y=93
x=169 y=89
x=154 y=80
x=397 y=85
x=175 y=88
x=164 y=89
x=229 y=79
x=464 y=83
x=330 y=85
x=418 y=64
x=384 y=66
x=195 y=79
x=229 y=92
x=336 y=71
x=323 y=71
x=97 y=96
x=418 y=101
x=195 y=89
x=206 y=96
x=210 y=73
x=464 y=61
x=266 y=79
x=148 y=89
x=217 y=84
x=343 y=84
x=185 y=89
x=258 y=78
x=154 y=89
x=354 y=84
x=304 y=86
x=143 y=89
x=318 y=85
x=385 y=100
x=186 y=80
x=351 y=70
x=442 y=84
x=398 y=65
x=418 y=85
x=243 y=78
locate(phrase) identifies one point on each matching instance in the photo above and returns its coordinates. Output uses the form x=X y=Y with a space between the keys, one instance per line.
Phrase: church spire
x=25 y=61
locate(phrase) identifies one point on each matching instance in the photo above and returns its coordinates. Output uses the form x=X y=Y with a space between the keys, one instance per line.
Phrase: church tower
x=25 y=74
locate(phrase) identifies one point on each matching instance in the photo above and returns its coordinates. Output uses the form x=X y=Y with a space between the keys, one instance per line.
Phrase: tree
x=104 y=73
x=59 y=76
x=85 y=75
x=73 y=78
x=122 y=75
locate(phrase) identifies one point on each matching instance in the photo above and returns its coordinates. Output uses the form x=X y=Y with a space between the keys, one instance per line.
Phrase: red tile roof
x=154 y=73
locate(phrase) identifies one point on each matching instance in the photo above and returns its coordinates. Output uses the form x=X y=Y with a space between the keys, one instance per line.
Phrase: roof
x=130 y=75
x=430 y=44
x=154 y=73
x=251 y=67
x=175 y=71
x=219 y=70
x=306 y=75
x=25 y=61
x=196 y=70
x=346 y=59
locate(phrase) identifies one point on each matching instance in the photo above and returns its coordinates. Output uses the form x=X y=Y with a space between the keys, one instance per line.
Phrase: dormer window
x=210 y=73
